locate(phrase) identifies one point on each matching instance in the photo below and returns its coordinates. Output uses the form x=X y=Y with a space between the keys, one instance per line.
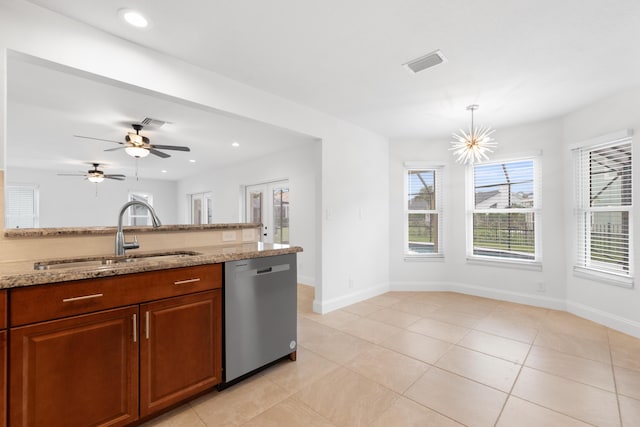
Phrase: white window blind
x=423 y=212
x=604 y=207
x=139 y=215
x=505 y=211
x=21 y=206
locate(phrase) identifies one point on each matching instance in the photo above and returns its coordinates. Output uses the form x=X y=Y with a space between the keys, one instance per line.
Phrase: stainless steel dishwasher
x=260 y=324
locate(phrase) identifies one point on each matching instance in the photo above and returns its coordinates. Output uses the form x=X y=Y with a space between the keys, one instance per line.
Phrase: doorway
x=268 y=203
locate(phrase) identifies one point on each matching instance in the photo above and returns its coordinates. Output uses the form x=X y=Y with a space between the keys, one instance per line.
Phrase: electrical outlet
x=228 y=236
x=248 y=234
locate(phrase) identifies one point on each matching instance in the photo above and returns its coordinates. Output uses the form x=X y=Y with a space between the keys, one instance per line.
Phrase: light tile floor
x=435 y=359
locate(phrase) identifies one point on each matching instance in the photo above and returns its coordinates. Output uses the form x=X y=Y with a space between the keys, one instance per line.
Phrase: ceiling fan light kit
x=137 y=152
x=95 y=178
x=473 y=146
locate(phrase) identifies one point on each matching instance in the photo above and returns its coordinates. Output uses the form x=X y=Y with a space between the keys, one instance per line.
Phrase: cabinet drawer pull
x=135 y=329
x=82 y=297
x=182 y=282
x=146 y=326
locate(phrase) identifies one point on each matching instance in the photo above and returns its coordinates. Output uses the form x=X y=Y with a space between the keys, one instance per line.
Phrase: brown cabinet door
x=180 y=349
x=3 y=378
x=80 y=371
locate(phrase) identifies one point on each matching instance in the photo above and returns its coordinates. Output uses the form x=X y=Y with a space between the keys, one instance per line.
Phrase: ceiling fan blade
x=114 y=149
x=70 y=174
x=170 y=147
x=98 y=139
x=159 y=153
x=118 y=177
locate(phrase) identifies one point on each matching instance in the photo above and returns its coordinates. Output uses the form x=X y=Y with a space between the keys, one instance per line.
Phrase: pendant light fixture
x=473 y=146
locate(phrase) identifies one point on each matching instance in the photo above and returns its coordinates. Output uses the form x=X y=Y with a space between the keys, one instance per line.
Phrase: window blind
x=21 y=206
x=423 y=212
x=604 y=207
x=505 y=210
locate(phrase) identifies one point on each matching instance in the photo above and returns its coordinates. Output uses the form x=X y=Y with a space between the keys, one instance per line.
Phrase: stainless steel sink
x=110 y=260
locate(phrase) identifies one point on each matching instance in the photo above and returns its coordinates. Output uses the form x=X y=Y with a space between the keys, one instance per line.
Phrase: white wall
x=301 y=167
x=70 y=201
x=354 y=161
x=455 y=272
x=609 y=304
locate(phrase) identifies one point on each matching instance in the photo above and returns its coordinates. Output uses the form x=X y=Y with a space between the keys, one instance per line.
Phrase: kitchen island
x=115 y=343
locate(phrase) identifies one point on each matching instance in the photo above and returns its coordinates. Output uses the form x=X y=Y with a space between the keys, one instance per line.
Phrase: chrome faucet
x=121 y=245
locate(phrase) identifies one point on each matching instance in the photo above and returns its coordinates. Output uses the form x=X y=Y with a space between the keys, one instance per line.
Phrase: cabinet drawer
x=46 y=302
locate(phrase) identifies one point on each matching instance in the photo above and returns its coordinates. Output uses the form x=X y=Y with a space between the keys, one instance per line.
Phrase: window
x=505 y=211
x=21 y=206
x=281 y=214
x=139 y=215
x=423 y=212
x=201 y=205
x=604 y=207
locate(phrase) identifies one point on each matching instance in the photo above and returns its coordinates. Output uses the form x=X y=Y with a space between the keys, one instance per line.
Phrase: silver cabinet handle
x=182 y=282
x=146 y=325
x=135 y=332
x=82 y=298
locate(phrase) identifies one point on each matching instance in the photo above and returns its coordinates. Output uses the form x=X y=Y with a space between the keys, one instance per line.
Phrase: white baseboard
x=306 y=280
x=326 y=306
x=499 y=294
x=612 y=321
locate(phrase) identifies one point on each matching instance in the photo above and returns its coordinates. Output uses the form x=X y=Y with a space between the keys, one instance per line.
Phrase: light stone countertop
x=19 y=274
x=96 y=231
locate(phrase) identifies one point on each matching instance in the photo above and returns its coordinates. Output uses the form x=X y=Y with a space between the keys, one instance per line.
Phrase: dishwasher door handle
x=265 y=270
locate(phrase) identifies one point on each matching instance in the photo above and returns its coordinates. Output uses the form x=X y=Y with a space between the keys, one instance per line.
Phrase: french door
x=268 y=204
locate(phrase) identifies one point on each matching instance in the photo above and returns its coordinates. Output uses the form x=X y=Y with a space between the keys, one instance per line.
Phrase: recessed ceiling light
x=134 y=18
x=192 y=161
x=163 y=171
x=235 y=144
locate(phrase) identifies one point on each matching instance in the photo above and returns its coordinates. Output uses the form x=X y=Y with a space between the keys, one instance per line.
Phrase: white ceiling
x=520 y=60
x=48 y=104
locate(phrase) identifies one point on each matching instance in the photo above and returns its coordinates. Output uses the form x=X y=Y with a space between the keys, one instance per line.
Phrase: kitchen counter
x=98 y=231
x=19 y=274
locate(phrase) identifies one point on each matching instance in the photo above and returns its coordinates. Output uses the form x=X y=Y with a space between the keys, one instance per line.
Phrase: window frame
x=438 y=170
x=206 y=209
x=582 y=265
x=34 y=190
x=131 y=216
x=536 y=210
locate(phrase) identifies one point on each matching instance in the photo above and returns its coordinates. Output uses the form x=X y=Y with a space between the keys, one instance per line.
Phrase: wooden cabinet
x=79 y=371
x=3 y=358
x=180 y=349
x=109 y=351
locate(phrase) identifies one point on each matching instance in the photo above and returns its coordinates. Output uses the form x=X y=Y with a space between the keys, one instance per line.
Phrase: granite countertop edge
x=23 y=274
x=16 y=233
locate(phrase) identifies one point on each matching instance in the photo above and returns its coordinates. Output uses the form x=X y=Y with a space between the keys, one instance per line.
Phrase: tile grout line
x=613 y=373
x=509 y=394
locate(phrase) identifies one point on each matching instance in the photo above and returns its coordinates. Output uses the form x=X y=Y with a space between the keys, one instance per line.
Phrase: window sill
x=602 y=277
x=424 y=258
x=520 y=265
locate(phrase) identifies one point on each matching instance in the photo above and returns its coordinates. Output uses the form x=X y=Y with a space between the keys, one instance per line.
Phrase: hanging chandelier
x=473 y=146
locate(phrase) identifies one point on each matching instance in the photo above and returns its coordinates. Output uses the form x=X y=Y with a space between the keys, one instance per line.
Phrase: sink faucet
x=121 y=245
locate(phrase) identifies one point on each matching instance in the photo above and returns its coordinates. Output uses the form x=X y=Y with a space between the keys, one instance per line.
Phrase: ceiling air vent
x=148 y=122
x=427 y=61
